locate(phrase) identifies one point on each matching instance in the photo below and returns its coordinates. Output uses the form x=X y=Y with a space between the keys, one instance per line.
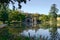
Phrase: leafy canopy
x=7 y=2
x=53 y=11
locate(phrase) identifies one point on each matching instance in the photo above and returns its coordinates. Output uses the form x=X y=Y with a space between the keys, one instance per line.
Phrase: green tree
x=53 y=14
x=43 y=18
x=16 y=15
x=53 y=11
x=4 y=34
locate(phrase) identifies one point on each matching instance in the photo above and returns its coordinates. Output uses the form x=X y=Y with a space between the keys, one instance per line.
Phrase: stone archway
x=28 y=20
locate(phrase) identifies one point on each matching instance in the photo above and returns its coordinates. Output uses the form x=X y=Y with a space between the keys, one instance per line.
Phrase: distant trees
x=16 y=15
x=43 y=18
x=11 y=15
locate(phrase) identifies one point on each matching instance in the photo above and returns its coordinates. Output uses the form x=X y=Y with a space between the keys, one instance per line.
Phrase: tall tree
x=53 y=13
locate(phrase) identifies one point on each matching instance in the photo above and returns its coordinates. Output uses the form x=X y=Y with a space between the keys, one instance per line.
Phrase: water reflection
x=54 y=35
x=42 y=33
x=53 y=31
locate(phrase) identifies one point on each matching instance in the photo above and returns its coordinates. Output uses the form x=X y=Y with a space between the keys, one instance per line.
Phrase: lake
x=44 y=32
x=31 y=31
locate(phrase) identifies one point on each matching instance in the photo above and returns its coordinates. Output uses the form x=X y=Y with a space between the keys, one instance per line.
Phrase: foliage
x=4 y=34
x=7 y=2
x=53 y=11
x=43 y=18
x=16 y=15
x=53 y=15
x=3 y=15
x=10 y=15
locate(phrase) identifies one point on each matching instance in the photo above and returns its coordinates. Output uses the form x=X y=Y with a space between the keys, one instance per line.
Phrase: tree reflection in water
x=53 y=32
x=54 y=35
x=42 y=33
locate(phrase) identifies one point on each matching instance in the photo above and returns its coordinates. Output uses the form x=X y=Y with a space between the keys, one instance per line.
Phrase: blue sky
x=39 y=6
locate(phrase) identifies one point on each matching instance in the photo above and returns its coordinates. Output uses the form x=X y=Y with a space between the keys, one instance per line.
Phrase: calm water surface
x=52 y=33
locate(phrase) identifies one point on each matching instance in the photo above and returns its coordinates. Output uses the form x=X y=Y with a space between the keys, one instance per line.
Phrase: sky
x=39 y=6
